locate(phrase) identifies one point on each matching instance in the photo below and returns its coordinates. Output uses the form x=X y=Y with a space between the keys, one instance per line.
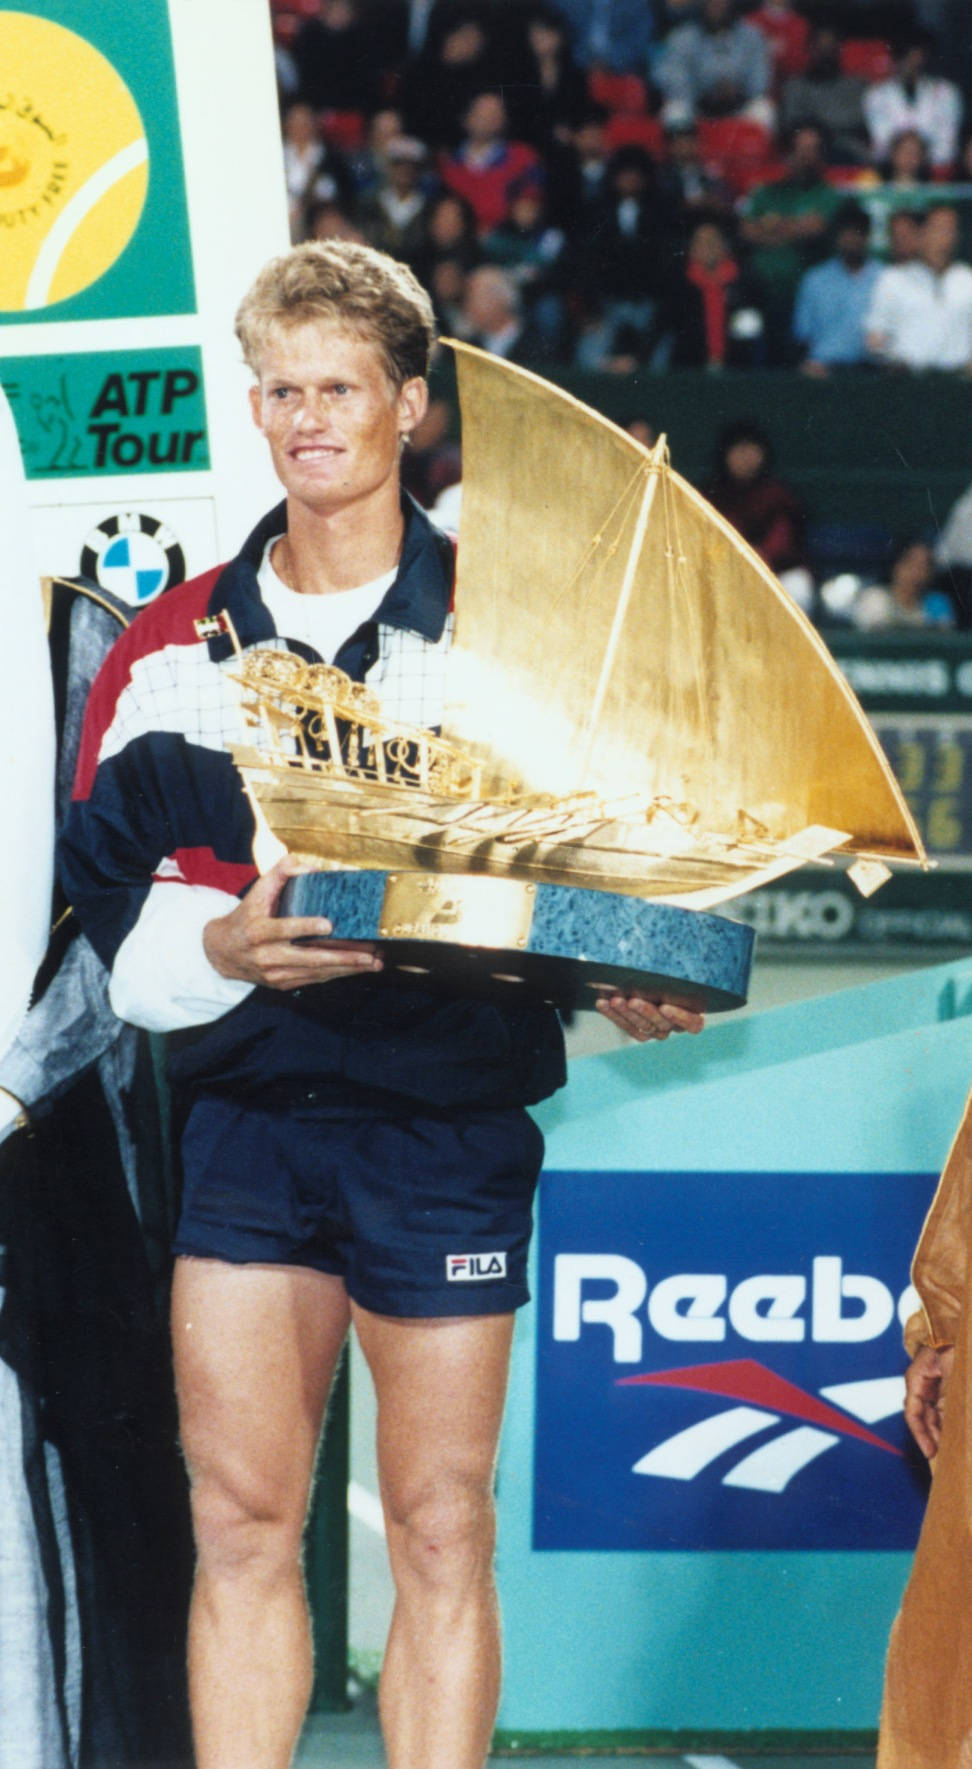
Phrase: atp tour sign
x=135 y=209
x=720 y=1362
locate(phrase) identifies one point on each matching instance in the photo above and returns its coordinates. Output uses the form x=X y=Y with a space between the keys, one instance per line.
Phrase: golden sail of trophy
x=632 y=702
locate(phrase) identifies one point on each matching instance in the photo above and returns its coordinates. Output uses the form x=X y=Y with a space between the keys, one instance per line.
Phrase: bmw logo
x=135 y=557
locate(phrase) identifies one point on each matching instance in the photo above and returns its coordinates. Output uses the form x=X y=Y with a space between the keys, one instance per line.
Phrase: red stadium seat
x=343 y=128
x=741 y=147
x=734 y=138
x=617 y=92
x=867 y=57
x=646 y=132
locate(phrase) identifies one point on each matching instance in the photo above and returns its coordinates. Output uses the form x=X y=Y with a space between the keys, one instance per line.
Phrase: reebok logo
x=474 y=1268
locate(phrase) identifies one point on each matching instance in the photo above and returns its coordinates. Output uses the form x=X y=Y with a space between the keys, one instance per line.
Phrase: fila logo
x=473 y=1268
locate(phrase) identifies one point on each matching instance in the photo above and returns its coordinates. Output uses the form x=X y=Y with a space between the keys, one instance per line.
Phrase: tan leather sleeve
x=940 y=1266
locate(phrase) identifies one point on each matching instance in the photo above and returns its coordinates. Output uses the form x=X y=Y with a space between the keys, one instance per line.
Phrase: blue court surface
x=352 y=1741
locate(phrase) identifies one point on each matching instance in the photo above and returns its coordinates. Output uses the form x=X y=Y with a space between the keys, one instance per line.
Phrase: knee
x=444 y=1539
x=241 y=1532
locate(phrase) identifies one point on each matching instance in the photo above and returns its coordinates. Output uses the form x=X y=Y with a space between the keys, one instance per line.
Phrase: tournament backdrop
x=708 y=1499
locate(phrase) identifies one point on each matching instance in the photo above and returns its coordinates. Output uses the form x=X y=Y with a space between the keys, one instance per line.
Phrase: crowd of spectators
x=621 y=185
x=656 y=181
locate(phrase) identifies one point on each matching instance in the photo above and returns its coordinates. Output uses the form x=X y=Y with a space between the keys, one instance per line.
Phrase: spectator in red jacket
x=486 y=162
x=713 y=313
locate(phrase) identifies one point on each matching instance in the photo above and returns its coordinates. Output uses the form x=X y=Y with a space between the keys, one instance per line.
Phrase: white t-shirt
x=322 y=622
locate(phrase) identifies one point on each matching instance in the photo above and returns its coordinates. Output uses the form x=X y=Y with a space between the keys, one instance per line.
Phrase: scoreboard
x=917 y=691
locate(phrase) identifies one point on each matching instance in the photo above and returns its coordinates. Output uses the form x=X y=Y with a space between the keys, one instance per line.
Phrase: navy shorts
x=422 y=1214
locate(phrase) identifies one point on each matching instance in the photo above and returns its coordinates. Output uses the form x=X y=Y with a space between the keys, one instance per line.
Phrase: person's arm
x=157 y=817
x=161 y=978
x=196 y=952
x=762 y=224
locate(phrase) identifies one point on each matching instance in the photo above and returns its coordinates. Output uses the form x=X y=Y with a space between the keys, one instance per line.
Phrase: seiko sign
x=720 y=1361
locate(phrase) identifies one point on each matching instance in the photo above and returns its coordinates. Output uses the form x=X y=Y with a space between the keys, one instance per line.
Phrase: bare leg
x=441 y=1386
x=255 y=1352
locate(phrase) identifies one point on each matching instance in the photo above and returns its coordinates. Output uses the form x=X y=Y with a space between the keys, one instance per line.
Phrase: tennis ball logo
x=73 y=163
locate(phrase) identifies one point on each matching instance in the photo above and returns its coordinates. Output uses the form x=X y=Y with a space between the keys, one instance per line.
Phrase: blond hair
x=347 y=285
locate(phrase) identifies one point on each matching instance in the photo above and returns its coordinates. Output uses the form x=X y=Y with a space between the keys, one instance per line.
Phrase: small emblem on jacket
x=474 y=1268
x=210 y=626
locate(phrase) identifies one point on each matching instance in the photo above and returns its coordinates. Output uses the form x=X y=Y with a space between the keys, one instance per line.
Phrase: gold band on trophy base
x=470 y=910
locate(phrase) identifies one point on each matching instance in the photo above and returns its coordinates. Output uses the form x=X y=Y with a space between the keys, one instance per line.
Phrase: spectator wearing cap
x=834 y=298
x=915 y=99
x=717 y=65
x=486 y=162
x=920 y=316
x=824 y=94
x=531 y=250
x=393 y=218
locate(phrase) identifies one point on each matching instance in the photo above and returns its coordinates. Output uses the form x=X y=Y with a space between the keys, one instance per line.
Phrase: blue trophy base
x=567 y=946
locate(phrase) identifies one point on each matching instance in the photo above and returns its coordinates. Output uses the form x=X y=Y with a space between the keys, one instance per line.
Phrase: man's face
x=708 y=246
x=806 y=154
x=825 y=54
x=717 y=13
x=331 y=416
x=939 y=237
x=904 y=237
x=683 y=146
x=912 y=61
x=852 y=244
x=486 y=117
x=403 y=176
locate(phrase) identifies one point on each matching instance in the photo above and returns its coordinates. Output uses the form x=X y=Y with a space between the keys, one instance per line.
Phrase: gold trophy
x=638 y=725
